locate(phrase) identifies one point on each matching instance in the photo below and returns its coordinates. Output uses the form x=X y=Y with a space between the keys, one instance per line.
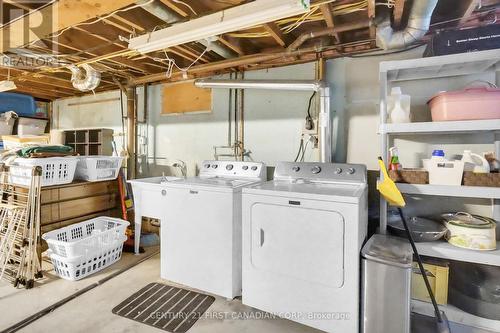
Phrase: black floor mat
x=165 y=307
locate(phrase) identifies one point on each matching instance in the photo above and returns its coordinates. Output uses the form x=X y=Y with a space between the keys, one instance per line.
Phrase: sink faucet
x=181 y=165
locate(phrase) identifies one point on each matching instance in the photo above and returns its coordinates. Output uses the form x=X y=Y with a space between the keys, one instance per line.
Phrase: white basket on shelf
x=55 y=170
x=98 y=168
x=84 y=248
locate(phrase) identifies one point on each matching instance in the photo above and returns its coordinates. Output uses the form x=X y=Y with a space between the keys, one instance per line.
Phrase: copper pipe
x=131 y=125
x=331 y=32
x=229 y=63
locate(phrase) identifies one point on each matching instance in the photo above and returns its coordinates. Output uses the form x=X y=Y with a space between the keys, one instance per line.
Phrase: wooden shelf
x=456 y=315
x=444 y=250
x=441 y=127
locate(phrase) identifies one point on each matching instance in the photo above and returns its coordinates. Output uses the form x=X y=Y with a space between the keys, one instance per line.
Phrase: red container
x=468 y=104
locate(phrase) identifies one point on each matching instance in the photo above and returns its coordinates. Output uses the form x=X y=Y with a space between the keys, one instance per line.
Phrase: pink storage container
x=468 y=104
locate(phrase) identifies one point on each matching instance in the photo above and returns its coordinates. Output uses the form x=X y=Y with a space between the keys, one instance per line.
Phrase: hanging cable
x=301 y=147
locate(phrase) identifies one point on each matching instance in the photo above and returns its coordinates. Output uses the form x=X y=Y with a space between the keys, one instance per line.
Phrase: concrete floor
x=91 y=312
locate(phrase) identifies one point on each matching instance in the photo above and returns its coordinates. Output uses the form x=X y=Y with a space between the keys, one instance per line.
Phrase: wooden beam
x=18 y=5
x=67 y=12
x=371 y=17
x=327 y=12
x=118 y=25
x=127 y=22
x=81 y=41
x=397 y=12
x=473 y=4
x=182 y=11
x=276 y=33
x=237 y=45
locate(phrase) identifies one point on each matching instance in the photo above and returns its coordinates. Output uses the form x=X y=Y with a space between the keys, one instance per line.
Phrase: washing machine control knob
x=245 y=167
x=338 y=170
x=215 y=166
x=254 y=168
x=229 y=167
x=207 y=165
x=296 y=168
x=351 y=171
x=316 y=169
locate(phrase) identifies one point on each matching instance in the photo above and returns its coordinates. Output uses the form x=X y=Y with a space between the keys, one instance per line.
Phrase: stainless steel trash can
x=386 y=285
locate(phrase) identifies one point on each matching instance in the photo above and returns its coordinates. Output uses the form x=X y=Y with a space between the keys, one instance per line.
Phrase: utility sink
x=148 y=195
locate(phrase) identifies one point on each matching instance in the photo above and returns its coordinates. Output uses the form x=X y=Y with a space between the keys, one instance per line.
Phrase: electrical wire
x=288 y=25
x=188 y=6
x=97 y=20
x=171 y=62
x=301 y=147
x=304 y=151
x=309 y=104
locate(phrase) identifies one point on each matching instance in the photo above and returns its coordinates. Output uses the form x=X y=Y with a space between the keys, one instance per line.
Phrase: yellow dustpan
x=388 y=189
x=391 y=193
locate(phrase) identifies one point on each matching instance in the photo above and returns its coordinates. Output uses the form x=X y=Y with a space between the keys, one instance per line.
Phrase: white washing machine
x=201 y=229
x=302 y=236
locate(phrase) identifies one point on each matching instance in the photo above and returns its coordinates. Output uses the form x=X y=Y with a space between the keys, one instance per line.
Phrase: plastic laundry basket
x=55 y=170
x=98 y=168
x=81 y=249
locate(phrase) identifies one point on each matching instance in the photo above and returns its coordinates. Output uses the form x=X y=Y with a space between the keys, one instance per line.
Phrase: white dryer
x=201 y=229
x=302 y=236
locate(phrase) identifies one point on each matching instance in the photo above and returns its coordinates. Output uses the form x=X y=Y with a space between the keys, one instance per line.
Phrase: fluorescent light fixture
x=236 y=18
x=7 y=85
x=297 y=85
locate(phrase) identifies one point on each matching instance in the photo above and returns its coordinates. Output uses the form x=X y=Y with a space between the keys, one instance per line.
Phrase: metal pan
x=422 y=229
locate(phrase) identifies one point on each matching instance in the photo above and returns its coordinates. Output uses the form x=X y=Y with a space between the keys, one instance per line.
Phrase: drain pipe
x=418 y=25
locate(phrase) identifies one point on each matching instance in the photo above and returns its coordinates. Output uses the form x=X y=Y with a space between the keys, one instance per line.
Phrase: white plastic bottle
x=399 y=104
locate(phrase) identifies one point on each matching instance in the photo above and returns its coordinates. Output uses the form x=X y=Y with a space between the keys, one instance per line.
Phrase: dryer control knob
x=296 y=168
x=229 y=167
x=338 y=170
x=351 y=171
x=245 y=167
x=207 y=166
x=215 y=166
x=254 y=168
x=316 y=169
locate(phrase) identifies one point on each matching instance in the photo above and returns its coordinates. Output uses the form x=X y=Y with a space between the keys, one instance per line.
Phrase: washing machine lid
x=344 y=192
x=213 y=182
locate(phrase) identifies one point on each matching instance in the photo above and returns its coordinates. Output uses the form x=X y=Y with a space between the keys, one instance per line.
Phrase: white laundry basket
x=55 y=170
x=87 y=247
x=98 y=168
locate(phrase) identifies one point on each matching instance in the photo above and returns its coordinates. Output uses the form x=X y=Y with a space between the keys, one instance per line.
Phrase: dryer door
x=299 y=242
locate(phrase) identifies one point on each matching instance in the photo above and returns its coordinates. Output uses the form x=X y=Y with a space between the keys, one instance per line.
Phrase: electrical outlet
x=313 y=131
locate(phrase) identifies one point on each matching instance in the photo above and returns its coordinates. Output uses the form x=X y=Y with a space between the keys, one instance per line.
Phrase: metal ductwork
x=418 y=25
x=85 y=80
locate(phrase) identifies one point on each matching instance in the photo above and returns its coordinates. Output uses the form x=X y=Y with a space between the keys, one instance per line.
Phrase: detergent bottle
x=475 y=162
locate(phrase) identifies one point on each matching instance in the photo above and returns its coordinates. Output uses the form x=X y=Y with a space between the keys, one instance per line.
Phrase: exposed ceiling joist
x=473 y=4
x=397 y=13
x=275 y=32
x=326 y=11
x=68 y=13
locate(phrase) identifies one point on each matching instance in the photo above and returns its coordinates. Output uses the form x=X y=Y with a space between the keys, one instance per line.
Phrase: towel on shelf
x=45 y=151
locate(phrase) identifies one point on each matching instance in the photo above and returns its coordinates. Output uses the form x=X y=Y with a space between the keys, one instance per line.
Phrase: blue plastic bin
x=23 y=105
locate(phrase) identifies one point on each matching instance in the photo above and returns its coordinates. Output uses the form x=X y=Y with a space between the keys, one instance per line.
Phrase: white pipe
x=325 y=128
x=296 y=85
x=418 y=25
